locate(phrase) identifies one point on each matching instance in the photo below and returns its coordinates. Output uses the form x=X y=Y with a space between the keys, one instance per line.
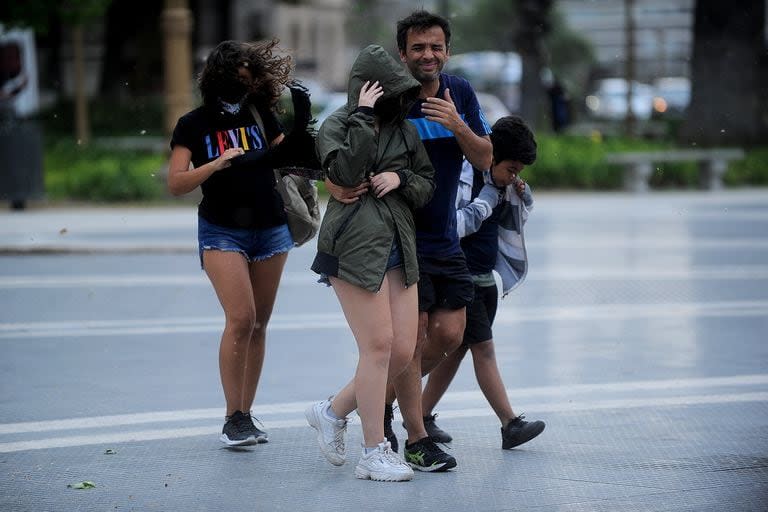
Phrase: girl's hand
x=384 y=183
x=224 y=160
x=369 y=94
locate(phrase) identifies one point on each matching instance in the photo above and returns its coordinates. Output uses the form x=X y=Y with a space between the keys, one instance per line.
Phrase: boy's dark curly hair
x=420 y=21
x=219 y=77
x=513 y=140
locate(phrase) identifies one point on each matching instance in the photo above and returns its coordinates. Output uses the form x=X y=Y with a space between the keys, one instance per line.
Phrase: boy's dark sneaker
x=425 y=455
x=434 y=432
x=260 y=435
x=388 y=432
x=519 y=431
x=238 y=430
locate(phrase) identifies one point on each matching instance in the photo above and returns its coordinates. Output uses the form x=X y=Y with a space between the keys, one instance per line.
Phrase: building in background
x=663 y=35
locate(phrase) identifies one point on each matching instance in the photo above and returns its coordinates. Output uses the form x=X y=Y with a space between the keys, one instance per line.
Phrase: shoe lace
x=391 y=456
x=254 y=418
x=338 y=437
x=240 y=424
x=431 y=447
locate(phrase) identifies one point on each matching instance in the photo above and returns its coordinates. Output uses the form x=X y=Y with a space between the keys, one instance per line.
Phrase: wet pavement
x=636 y=338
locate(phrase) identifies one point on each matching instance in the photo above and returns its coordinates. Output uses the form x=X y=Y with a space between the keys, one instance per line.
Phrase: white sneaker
x=383 y=465
x=330 y=433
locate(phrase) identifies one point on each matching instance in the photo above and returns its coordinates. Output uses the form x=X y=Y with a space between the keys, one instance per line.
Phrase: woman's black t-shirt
x=244 y=194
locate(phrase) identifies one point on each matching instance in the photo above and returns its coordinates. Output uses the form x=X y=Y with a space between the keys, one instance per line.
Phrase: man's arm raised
x=476 y=149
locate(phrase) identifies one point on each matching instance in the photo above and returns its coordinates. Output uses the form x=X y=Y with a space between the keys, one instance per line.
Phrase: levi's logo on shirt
x=247 y=137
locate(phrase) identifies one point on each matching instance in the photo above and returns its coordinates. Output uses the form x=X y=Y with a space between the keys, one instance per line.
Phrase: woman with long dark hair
x=242 y=233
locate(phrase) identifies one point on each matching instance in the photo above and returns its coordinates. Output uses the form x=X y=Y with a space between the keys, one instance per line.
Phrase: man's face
x=425 y=53
x=505 y=172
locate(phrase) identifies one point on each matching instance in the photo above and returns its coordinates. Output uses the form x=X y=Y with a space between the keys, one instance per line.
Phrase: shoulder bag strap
x=259 y=122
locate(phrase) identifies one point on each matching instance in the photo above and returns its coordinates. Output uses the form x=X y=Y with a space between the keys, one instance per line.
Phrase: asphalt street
x=638 y=337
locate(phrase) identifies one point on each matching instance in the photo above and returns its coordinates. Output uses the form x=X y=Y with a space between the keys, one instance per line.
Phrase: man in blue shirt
x=451 y=126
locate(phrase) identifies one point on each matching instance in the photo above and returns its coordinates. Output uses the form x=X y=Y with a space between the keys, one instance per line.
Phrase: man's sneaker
x=330 y=432
x=425 y=455
x=519 y=431
x=383 y=465
x=260 y=435
x=238 y=431
x=434 y=432
x=388 y=432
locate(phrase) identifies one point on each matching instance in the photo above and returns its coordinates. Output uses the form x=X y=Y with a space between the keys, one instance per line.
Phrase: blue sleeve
x=473 y=114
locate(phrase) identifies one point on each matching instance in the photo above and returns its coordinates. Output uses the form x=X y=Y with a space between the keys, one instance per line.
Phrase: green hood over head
x=375 y=64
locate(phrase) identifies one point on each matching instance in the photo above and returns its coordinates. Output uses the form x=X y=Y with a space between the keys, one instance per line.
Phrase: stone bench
x=639 y=165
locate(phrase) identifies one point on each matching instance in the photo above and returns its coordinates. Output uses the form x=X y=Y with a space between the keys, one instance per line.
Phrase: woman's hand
x=384 y=182
x=225 y=160
x=369 y=94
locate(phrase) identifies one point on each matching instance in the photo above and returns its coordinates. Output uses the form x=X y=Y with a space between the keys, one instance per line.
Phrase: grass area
x=109 y=174
x=102 y=175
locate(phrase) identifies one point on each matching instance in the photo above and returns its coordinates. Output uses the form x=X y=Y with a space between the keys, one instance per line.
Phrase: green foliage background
x=102 y=174
x=105 y=174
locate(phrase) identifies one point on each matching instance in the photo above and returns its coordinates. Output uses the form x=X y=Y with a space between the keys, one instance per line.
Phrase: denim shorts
x=253 y=244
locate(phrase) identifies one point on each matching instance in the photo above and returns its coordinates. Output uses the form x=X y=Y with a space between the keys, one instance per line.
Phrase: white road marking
x=538 y=408
x=542 y=274
x=314 y=321
x=451 y=399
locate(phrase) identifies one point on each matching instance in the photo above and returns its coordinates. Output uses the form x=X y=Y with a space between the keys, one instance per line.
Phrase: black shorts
x=480 y=315
x=444 y=283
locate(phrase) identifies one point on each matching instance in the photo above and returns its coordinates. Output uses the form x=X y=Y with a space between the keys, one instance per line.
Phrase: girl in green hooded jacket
x=367 y=250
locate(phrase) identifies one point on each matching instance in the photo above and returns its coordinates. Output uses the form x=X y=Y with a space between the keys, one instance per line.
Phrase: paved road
x=638 y=337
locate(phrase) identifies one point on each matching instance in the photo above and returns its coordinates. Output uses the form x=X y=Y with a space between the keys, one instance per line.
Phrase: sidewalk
x=99 y=229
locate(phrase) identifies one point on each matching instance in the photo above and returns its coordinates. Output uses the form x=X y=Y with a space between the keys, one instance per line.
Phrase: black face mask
x=233 y=91
x=388 y=109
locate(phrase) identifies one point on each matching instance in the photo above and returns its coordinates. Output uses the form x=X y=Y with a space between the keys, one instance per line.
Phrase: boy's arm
x=471 y=216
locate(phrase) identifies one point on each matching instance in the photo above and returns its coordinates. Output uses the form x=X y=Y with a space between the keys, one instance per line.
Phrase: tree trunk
x=726 y=75
x=82 y=126
x=629 y=72
x=177 y=31
x=533 y=23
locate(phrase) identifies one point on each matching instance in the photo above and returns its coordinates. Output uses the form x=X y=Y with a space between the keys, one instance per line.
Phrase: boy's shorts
x=444 y=283
x=253 y=244
x=480 y=315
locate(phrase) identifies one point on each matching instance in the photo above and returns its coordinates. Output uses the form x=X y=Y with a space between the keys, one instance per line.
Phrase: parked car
x=492 y=107
x=609 y=99
x=498 y=73
x=672 y=96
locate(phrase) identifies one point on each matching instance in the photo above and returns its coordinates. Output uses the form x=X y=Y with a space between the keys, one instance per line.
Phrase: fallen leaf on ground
x=86 y=484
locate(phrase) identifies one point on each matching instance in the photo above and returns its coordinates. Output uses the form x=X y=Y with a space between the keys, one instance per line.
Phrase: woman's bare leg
x=404 y=307
x=228 y=272
x=265 y=279
x=368 y=315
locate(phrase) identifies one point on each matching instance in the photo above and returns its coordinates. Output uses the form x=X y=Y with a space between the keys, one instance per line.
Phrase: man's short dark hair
x=420 y=21
x=513 y=140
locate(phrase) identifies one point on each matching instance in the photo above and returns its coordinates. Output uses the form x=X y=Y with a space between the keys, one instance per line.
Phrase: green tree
x=535 y=30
